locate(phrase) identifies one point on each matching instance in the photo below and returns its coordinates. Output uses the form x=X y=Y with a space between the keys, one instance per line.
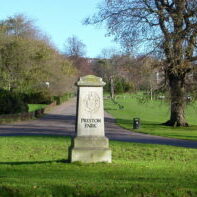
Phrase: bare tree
x=170 y=26
x=75 y=48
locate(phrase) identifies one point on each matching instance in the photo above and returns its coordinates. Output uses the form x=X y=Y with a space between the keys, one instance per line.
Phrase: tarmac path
x=60 y=121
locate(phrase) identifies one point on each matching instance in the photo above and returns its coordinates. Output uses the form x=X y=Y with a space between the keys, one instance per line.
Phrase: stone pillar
x=90 y=144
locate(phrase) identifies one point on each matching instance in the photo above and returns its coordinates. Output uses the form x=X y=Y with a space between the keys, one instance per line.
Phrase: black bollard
x=136 y=123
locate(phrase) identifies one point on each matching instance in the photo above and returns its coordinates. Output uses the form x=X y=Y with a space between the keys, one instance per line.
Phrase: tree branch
x=192 y=59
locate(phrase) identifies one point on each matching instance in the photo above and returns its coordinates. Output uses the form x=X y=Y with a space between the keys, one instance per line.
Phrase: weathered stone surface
x=90 y=81
x=91 y=155
x=90 y=112
x=90 y=144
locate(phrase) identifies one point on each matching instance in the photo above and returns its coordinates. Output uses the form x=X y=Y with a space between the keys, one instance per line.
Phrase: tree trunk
x=151 y=93
x=177 y=117
x=112 y=87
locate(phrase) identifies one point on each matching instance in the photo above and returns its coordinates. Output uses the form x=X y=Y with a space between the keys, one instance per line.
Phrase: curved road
x=61 y=121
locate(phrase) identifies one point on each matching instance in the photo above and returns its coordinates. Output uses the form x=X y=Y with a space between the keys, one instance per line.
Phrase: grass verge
x=37 y=166
x=34 y=107
x=152 y=114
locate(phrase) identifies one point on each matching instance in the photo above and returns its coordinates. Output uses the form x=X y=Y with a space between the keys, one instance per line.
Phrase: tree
x=169 y=27
x=106 y=67
x=148 y=69
x=75 y=48
x=19 y=26
x=111 y=67
x=24 y=63
x=28 y=60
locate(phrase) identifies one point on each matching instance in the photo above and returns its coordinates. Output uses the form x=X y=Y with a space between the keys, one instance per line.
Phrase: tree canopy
x=28 y=61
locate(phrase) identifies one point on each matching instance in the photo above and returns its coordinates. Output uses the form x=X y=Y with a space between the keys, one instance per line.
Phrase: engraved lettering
x=90 y=125
x=91 y=122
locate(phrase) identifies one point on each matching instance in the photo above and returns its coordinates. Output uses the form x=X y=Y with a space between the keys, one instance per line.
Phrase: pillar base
x=89 y=149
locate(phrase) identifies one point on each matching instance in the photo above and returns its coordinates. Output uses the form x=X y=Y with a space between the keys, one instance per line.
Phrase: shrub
x=11 y=103
x=37 y=98
x=118 y=88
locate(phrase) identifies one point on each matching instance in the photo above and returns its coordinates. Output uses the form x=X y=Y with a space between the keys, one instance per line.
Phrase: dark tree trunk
x=177 y=117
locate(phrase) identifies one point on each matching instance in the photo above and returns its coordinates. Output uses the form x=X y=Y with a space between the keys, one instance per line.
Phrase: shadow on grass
x=111 y=109
x=185 y=137
x=151 y=124
x=34 y=162
x=130 y=121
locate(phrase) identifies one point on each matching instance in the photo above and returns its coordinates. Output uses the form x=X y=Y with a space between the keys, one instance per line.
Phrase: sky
x=61 y=19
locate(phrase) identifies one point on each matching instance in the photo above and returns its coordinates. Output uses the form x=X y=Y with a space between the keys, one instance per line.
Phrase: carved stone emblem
x=92 y=102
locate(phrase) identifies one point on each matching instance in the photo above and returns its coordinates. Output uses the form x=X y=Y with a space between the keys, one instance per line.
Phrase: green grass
x=34 y=107
x=152 y=114
x=36 y=166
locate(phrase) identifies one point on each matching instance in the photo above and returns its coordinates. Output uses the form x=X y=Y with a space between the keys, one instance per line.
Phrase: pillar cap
x=90 y=81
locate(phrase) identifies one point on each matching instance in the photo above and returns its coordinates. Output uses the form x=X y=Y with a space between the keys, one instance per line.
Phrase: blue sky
x=61 y=19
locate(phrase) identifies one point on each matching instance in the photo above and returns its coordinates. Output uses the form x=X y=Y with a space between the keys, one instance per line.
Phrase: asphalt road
x=61 y=121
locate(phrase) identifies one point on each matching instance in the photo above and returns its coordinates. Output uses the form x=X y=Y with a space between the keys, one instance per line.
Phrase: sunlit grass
x=37 y=166
x=152 y=114
x=34 y=107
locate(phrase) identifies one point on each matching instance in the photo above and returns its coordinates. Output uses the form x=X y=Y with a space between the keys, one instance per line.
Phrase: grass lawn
x=34 y=107
x=36 y=166
x=152 y=114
